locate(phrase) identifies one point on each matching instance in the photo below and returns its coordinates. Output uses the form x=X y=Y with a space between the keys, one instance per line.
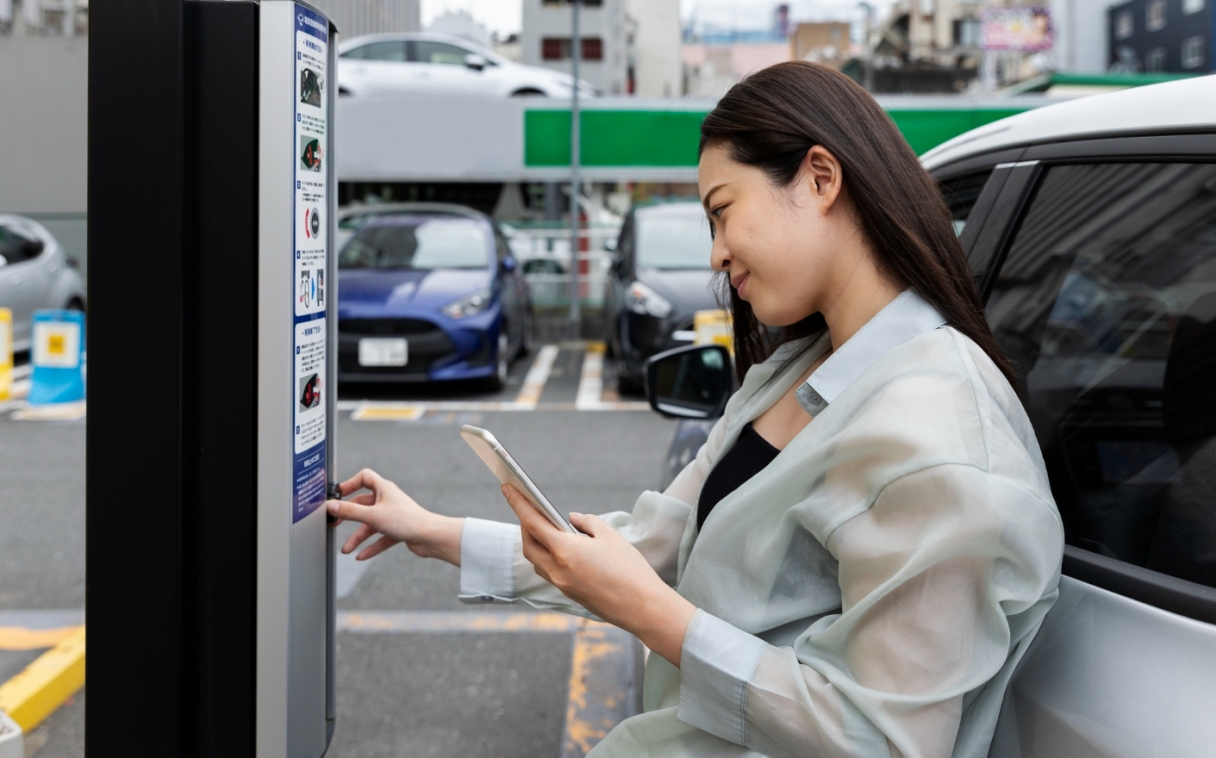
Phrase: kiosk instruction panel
x=312 y=169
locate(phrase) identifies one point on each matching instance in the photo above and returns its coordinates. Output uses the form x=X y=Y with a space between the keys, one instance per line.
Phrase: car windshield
x=419 y=243
x=670 y=240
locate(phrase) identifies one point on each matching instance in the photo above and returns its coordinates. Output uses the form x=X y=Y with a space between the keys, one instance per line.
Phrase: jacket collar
x=906 y=317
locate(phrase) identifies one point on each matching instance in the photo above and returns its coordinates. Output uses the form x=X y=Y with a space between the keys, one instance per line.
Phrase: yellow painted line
x=589 y=711
x=20 y=638
x=55 y=676
x=389 y=413
x=431 y=622
x=52 y=412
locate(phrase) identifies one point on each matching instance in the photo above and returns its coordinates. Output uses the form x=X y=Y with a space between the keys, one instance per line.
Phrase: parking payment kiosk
x=231 y=356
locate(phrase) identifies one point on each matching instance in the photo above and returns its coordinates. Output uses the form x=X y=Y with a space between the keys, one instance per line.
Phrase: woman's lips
x=739 y=282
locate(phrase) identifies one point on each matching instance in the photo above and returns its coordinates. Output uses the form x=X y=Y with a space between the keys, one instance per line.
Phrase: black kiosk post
x=210 y=438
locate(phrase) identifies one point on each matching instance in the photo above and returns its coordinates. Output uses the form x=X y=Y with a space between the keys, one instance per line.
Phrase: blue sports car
x=430 y=292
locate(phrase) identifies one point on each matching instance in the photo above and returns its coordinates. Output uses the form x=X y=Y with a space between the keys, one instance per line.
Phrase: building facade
x=1161 y=36
x=655 y=38
x=546 y=34
x=354 y=18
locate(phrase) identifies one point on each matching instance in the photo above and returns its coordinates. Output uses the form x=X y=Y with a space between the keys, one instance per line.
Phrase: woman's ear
x=822 y=174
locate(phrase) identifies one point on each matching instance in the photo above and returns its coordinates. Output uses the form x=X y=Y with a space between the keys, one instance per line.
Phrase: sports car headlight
x=470 y=305
x=642 y=299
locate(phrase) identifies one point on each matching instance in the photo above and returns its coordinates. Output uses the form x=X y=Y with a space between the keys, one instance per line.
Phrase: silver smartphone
x=495 y=456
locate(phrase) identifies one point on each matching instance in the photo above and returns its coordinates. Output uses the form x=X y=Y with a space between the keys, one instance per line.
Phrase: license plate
x=383 y=352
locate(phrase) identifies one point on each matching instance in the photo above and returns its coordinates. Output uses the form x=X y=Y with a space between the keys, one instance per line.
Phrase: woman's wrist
x=440 y=538
x=663 y=622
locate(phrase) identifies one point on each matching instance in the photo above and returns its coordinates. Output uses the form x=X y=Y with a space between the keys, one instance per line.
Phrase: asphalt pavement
x=418 y=673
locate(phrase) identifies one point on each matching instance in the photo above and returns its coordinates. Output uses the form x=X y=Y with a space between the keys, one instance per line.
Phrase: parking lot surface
x=418 y=673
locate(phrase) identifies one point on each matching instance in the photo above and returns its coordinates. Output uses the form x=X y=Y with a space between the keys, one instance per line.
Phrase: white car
x=421 y=62
x=35 y=273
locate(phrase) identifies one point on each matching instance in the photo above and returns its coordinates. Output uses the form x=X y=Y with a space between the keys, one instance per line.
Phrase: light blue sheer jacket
x=871 y=591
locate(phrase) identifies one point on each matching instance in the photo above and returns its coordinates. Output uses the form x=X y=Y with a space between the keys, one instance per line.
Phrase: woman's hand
x=388 y=511
x=606 y=575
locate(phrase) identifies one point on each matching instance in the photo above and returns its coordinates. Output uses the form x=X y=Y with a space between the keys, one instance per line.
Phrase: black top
x=747 y=458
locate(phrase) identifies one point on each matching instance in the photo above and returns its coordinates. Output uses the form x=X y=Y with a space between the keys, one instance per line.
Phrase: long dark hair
x=771 y=119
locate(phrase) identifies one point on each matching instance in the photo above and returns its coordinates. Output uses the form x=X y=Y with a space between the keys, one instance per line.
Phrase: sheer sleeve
x=493 y=568
x=943 y=579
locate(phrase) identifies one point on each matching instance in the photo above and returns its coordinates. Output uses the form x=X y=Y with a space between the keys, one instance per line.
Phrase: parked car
x=35 y=273
x=421 y=62
x=660 y=278
x=1091 y=227
x=430 y=292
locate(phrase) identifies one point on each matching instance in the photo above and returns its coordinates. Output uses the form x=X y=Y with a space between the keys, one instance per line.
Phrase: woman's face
x=780 y=245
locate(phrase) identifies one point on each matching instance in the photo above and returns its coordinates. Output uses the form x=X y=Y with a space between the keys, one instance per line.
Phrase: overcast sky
x=503 y=16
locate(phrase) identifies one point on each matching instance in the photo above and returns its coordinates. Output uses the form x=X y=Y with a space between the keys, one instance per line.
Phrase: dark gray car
x=659 y=280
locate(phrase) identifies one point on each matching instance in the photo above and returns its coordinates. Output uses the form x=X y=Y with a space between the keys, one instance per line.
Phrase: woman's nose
x=719 y=256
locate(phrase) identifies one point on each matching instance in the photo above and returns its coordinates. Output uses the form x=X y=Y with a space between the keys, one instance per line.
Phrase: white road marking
x=591 y=385
x=538 y=374
x=591 y=381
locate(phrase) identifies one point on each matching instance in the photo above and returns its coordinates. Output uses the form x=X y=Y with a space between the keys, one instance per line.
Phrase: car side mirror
x=507 y=264
x=475 y=61
x=690 y=382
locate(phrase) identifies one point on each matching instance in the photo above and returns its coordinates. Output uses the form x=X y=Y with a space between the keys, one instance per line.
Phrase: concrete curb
x=29 y=697
x=12 y=742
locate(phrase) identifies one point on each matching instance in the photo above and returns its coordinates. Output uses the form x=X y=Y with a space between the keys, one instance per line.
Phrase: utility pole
x=576 y=52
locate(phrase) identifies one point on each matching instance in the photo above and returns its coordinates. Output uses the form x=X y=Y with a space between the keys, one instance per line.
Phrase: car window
x=426 y=51
x=1106 y=305
x=673 y=240
x=14 y=246
x=393 y=50
x=419 y=243
x=961 y=192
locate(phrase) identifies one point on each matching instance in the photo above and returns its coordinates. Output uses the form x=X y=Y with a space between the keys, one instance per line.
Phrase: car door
x=377 y=68
x=1103 y=296
x=514 y=298
x=24 y=279
x=441 y=66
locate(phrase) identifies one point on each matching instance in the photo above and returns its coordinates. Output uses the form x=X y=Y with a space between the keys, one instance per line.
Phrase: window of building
x=1106 y=307
x=1154 y=16
x=1154 y=62
x=967 y=32
x=555 y=48
x=1124 y=25
x=593 y=49
x=558 y=48
x=1192 y=6
x=1192 y=52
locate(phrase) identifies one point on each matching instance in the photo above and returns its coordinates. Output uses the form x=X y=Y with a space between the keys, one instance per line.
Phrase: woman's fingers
x=529 y=518
x=357 y=538
x=588 y=524
x=364 y=480
x=376 y=548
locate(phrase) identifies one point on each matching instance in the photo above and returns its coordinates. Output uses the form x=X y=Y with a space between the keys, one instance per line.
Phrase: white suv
x=421 y=62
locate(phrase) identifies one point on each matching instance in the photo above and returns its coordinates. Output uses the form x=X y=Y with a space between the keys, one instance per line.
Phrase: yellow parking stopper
x=6 y=353
x=713 y=327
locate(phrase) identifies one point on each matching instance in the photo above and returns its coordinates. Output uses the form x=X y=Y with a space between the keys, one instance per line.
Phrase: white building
x=461 y=24
x=545 y=40
x=655 y=54
x=355 y=18
x=1080 y=35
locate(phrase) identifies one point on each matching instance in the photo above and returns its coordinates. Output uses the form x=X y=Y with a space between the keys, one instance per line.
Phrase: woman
x=862 y=551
